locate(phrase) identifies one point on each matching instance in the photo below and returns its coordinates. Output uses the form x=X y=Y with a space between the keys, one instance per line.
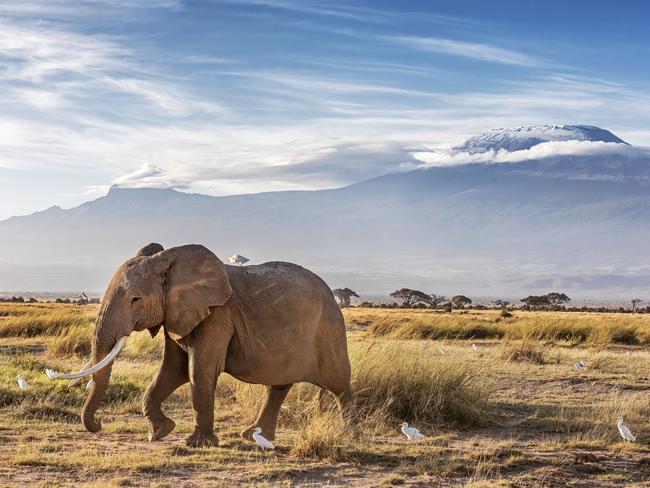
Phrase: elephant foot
x=202 y=438
x=158 y=430
x=266 y=432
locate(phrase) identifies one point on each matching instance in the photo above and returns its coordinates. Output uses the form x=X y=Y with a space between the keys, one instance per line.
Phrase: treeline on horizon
x=409 y=298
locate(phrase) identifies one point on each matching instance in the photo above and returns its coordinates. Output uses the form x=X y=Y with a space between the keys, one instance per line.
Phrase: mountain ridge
x=484 y=229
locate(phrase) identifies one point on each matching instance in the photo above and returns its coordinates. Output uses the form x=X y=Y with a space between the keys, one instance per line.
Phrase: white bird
x=22 y=383
x=583 y=363
x=411 y=433
x=262 y=441
x=625 y=432
x=238 y=259
x=475 y=347
x=51 y=373
x=578 y=366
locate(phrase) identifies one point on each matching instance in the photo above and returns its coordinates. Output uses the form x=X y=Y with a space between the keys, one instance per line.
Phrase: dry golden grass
x=513 y=413
x=577 y=327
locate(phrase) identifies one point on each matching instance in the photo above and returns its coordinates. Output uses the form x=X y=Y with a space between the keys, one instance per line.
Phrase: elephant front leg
x=207 y=359
x=172 y=374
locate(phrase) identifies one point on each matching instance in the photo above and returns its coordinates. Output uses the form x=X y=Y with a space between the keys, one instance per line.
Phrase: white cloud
x=540 y=151
x=483 y=52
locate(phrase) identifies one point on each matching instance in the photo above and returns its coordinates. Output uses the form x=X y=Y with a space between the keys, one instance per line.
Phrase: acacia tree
x=410 y=297
x=557 y=299
x=635 y=303
x=536 y=301
x=502 y=304
x=460 y=301
x=435 y=300
x=343 y=295
x=549 y=300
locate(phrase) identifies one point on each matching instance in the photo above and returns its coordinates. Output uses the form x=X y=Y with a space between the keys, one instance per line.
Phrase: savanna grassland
x=511 y=412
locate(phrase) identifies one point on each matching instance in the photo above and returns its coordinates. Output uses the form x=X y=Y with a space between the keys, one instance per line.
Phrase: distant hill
x=574 y=222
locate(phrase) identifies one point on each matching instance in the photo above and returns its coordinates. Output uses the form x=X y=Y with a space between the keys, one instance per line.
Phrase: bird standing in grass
x=238 y=259
x=475 y=347
x=626 y=434
x=411 y=433
x=22 y=383
x=262 y=441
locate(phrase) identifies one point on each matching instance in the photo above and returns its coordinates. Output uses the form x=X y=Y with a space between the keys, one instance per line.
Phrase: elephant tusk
x=85 y=372
x=77 y=380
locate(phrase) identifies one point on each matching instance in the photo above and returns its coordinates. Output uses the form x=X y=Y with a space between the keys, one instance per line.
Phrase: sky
x=238 y=96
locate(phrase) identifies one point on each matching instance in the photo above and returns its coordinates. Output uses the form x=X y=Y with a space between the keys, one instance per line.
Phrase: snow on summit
x=520 y=138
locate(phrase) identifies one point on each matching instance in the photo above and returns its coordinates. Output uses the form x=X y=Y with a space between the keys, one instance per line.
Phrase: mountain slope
x=576 y=223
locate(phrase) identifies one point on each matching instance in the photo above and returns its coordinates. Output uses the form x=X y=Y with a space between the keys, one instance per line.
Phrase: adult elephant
x=274 y=324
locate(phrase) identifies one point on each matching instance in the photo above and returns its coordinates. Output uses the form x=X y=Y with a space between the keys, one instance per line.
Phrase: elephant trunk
x=100 y=382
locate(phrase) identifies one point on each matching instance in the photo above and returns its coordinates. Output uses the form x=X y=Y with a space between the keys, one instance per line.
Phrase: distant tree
x=434 y=300
x=635 y=303
x=410 y=297
x=536 y=301
x=459 y=301
x=502 y=304
x=343 y=295
x=557 y=299
x=550 y=300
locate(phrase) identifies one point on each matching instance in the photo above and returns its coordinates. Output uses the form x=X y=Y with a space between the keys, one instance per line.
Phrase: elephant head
x=174 y=287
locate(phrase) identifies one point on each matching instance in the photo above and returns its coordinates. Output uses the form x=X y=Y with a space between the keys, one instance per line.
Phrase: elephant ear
x=195 y=281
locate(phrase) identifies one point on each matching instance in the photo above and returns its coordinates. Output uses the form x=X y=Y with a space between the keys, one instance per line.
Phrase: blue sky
x=224 y=97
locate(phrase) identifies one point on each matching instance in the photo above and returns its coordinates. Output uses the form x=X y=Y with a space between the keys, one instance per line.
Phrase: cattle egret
x=411 y=433
x=238 y=259
x=475 y=347
x=625 y=432
x=583 y=363
x=262 y=441
x=578 y=366
x=22 y=383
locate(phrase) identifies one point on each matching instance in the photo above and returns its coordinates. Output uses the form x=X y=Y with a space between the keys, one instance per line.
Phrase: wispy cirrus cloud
x=473 y=50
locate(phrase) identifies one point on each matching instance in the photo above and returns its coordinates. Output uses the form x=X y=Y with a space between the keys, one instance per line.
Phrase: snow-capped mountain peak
x=525 y=137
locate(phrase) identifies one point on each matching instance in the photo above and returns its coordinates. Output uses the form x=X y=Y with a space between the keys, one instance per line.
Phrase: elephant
x=273 y=324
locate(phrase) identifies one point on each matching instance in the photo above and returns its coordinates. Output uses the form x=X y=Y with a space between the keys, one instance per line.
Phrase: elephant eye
x=134 y=300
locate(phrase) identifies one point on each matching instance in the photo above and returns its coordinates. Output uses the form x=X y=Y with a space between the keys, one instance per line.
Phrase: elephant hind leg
x=267 y=419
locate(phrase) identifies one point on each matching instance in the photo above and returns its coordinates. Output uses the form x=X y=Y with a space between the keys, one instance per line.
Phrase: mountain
x=518 y=138
x=575 y=222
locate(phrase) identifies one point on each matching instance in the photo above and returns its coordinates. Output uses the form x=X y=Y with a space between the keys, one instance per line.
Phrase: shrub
x=423 y=389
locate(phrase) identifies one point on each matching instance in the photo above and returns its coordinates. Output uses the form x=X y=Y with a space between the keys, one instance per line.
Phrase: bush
x=422 y=389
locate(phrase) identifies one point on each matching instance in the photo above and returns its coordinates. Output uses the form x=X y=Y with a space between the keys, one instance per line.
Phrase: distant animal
x=578 y=365
x=238 y=259
x=475 y=347
x=262 y=441
x=626 y=434
x=273 y=324
x=583 y=363
x=22 y=383
x=411 y=433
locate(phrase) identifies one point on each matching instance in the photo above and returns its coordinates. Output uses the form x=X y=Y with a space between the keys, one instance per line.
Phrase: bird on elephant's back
x=274 y=324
